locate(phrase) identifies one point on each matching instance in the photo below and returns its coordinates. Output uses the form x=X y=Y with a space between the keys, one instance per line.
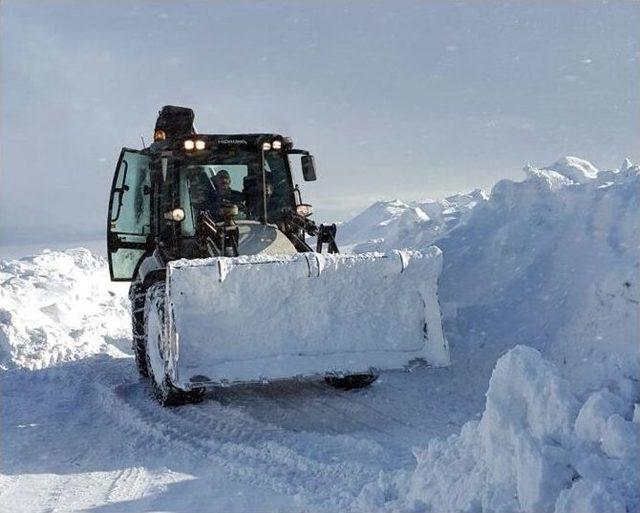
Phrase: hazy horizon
x=403 y=100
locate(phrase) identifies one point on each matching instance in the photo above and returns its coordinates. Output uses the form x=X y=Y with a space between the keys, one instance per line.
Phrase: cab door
x=129 y=223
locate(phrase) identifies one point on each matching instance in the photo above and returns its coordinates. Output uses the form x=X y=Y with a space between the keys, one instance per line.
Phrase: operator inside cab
x=210 y=187
x=223 y=191
x=210 y=191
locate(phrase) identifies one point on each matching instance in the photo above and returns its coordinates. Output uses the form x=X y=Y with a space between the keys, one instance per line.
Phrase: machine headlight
x=276 y=145
x=200 y=144
x=304 y=209
x=159 y=135
x=266 y=146
x=177 y=215
x=189 y=144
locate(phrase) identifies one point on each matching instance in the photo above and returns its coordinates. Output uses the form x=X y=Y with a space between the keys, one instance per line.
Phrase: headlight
x=304 y=209
x=200 y=144
x=277 y=145
x=266 y=146
x=177 y=214
x=159 y=135
x=189 y=144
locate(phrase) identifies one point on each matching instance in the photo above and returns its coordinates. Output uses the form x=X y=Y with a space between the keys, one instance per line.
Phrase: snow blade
x=260 y=318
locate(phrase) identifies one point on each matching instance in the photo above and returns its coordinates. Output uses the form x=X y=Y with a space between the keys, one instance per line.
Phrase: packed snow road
x=88 y=435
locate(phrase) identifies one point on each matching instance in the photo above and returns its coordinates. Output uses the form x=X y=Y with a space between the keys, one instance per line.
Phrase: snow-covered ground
x=541 y=299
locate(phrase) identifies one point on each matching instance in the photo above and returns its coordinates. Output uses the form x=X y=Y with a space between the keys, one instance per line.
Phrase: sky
x=395 y=99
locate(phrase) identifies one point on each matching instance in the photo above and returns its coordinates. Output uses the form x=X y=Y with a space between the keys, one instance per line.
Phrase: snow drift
x=551 y=262
x=60 y=306
x=562 y=257
x=529 y=451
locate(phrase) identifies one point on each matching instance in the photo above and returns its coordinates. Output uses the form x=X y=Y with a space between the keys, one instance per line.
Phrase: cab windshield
x=235 y=177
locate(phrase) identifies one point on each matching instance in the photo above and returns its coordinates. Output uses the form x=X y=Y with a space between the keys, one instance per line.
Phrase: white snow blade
x=259 y=318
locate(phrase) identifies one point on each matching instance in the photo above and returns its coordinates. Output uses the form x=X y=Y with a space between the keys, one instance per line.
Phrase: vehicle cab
x=194 y=195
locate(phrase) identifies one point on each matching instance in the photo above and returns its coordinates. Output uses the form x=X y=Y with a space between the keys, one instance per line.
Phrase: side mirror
x=308 y=168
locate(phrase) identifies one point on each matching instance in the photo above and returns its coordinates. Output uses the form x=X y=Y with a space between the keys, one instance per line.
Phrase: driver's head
x=223 y=180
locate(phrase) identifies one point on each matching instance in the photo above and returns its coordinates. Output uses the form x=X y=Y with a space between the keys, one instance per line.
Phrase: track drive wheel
x=352 y=381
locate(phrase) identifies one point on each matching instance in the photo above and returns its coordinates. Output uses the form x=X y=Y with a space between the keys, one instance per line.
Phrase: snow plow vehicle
x=213 y=235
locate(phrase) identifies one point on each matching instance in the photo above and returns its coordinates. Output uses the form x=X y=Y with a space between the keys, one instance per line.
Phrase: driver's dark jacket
x=204 y=196
x=228 y=195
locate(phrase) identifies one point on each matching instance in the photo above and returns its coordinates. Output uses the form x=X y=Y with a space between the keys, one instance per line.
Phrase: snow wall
x=60 y=306
x=552 y=262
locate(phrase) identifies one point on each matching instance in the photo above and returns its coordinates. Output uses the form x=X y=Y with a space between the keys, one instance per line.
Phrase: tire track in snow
x=355 y=402
x=312 y=443
x=320 y=411
x=269 y=464
x=321 y=406
x=56 y=495
x=126 y=485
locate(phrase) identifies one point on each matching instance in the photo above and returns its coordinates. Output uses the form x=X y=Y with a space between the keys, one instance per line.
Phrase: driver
x=224 y=192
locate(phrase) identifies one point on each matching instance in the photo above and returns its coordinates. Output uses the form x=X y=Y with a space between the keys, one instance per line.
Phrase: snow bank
x=552 y=262
x=559 y=251
x=562 y=257
x=60 y=306
x=529 y=452
x=526 y=454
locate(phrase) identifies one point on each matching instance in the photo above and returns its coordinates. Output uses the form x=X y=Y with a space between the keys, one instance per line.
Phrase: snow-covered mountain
x=395 y=224
x=541 y=294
